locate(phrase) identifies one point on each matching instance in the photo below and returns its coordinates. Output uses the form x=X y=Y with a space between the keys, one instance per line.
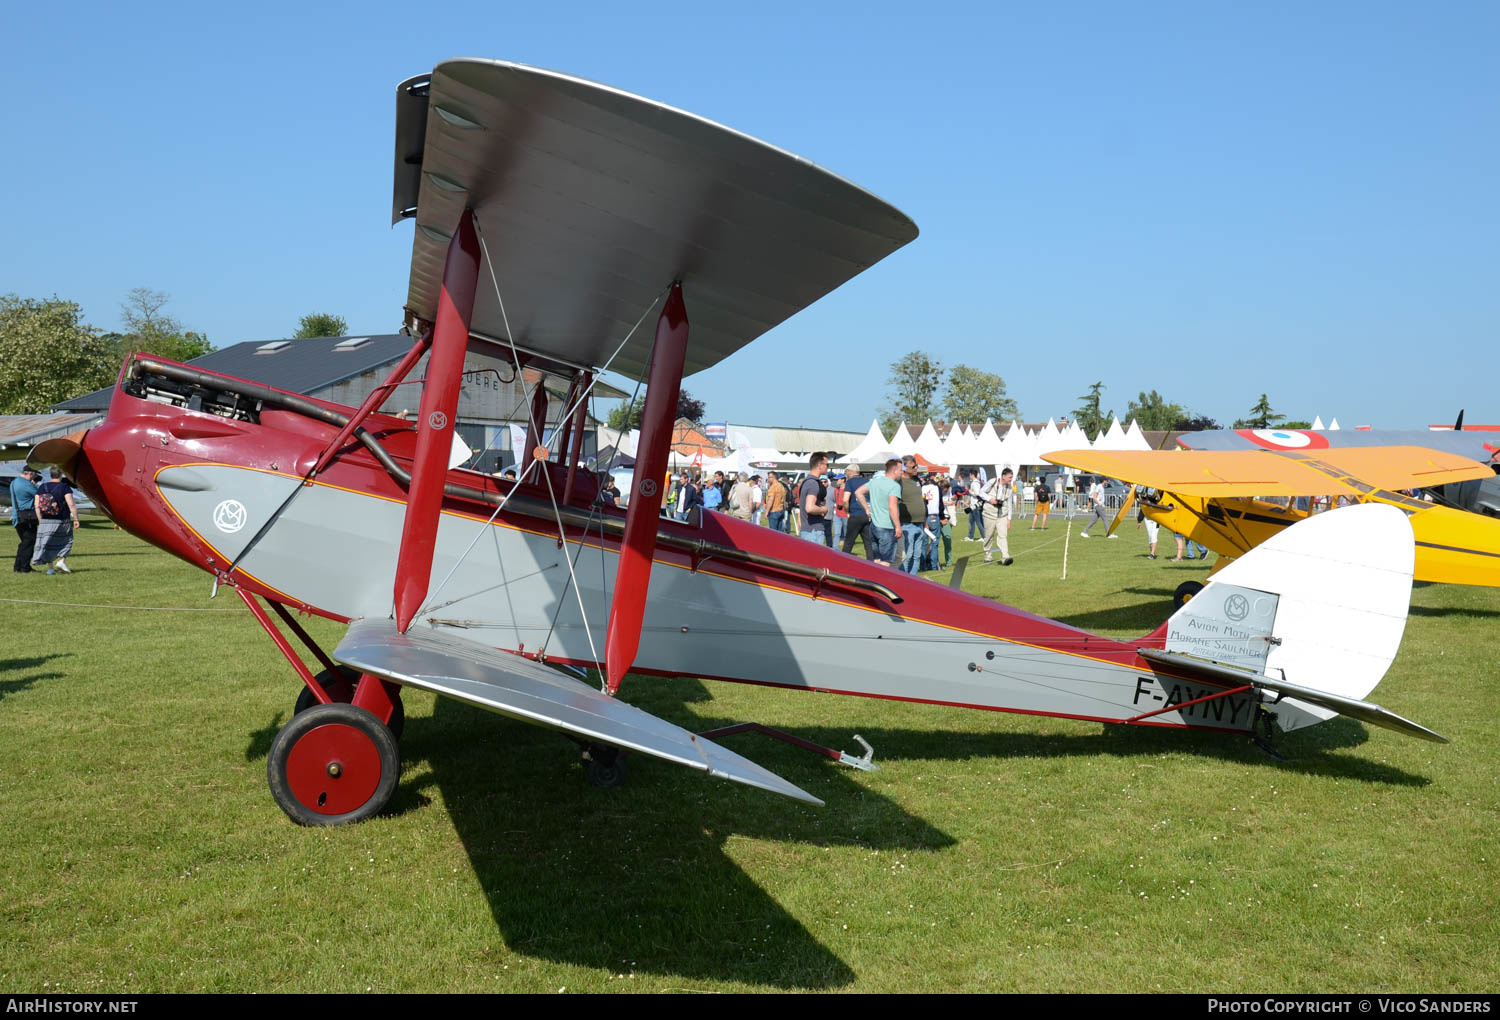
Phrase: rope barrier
x=145 y=609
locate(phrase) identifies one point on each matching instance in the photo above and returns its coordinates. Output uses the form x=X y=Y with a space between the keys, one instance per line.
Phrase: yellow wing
x=1394 y=467
x=1343 y=472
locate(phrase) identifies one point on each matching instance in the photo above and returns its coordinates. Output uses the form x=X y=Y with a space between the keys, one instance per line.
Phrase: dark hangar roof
x=298 y=366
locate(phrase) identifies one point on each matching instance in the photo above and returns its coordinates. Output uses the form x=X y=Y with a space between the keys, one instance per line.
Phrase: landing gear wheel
x=340 y=684
x=333 y=764
x=604 y=766
x=1184 y=594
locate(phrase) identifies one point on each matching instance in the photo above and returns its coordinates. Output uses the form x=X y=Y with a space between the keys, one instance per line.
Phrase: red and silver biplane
x=554 y=216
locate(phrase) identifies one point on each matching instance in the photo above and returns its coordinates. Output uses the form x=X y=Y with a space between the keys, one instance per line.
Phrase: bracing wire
x=539 y=428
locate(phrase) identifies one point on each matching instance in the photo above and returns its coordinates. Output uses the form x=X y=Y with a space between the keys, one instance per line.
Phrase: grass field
x=992 y=852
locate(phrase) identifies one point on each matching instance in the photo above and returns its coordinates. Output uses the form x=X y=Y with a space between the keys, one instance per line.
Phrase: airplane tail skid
x=1314 y=616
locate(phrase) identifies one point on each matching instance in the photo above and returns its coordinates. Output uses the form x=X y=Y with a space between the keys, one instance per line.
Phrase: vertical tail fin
x=1321 y=606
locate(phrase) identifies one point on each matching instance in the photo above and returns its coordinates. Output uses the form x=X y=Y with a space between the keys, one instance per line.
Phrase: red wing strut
x=435 y=421
x=657 y=417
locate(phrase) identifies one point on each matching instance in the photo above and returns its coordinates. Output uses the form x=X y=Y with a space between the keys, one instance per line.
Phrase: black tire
x=333 y=765
x=329 y=680
x=1184 y=594
x=604 y=766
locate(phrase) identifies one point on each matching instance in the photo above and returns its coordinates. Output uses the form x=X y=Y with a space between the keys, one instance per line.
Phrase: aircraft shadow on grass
x=1138 y=617
x=1442 y=612
x=260 y=740
x=1160 y=593
x=1130 y=613
x=1307 y=751
x=10 y=684
x=637 y=878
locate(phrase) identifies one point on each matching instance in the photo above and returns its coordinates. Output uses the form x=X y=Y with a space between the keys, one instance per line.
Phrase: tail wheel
x=340 y=684
x=1184 y=594
x=333 y=764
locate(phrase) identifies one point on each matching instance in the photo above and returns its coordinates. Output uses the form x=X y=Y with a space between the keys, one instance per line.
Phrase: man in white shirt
x=757 y=500
x=933 y=497
x=1096 y=501
x=997 y=498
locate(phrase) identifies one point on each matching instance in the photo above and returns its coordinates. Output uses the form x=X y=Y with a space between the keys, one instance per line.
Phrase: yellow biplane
x=1231 y=501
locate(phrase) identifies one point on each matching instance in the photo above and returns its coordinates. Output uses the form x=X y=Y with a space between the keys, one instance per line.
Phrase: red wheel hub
x=333 y=769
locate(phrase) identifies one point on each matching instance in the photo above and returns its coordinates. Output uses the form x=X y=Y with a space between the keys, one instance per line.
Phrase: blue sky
x=1207 y=199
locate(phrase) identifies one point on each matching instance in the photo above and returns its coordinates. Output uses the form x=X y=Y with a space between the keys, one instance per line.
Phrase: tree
x=320 y=324
x=627 y=416
x=1151 y=411
x=1295 y=425
x=48 y=354
x=975 y=395
x=1194 y=422
x=690 y=407
x=141 y=313
x=1089 y=417
x=1261 y=416
x=149 y=330
x=914 y=384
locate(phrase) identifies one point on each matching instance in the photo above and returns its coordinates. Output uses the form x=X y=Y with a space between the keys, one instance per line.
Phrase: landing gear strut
x=340 y=684
x=1263 y=732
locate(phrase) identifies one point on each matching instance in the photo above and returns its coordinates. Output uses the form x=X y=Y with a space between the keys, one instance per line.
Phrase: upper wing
x=523 y=689
x=592 y=200
x=1480 y=445
x=1347 y=472
x=1395 y=467
x=1236 y=473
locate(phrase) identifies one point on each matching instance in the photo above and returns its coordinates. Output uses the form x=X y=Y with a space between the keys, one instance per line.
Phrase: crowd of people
x=45 y=516
x=903 y=514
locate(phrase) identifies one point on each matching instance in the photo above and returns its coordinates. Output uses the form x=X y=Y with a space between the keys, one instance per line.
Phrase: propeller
x=62 y=451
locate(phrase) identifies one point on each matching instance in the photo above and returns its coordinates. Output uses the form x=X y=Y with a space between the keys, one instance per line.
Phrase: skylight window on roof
x=272 y=347
x=351 y=343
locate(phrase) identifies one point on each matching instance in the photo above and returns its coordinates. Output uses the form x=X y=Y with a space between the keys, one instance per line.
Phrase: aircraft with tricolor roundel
x=1476 y=442
x=573 y=228
x=1230 y=501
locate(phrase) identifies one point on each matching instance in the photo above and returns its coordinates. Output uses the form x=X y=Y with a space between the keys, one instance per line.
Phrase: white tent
x=902 y=442
x=735 y=462
x=986 y=449
x=874 y=443
x=1050 y=439
x=956 y=448
x=1334 y=425
x=1113 y=437
x=1003 y=455
x=1317 y=423
x=929 y=445
x=1135 y=439
x=1024 y=452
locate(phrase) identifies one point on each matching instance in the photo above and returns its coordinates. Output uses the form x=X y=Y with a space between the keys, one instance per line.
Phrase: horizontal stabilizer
x=1218 y=672
x=530 y=691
